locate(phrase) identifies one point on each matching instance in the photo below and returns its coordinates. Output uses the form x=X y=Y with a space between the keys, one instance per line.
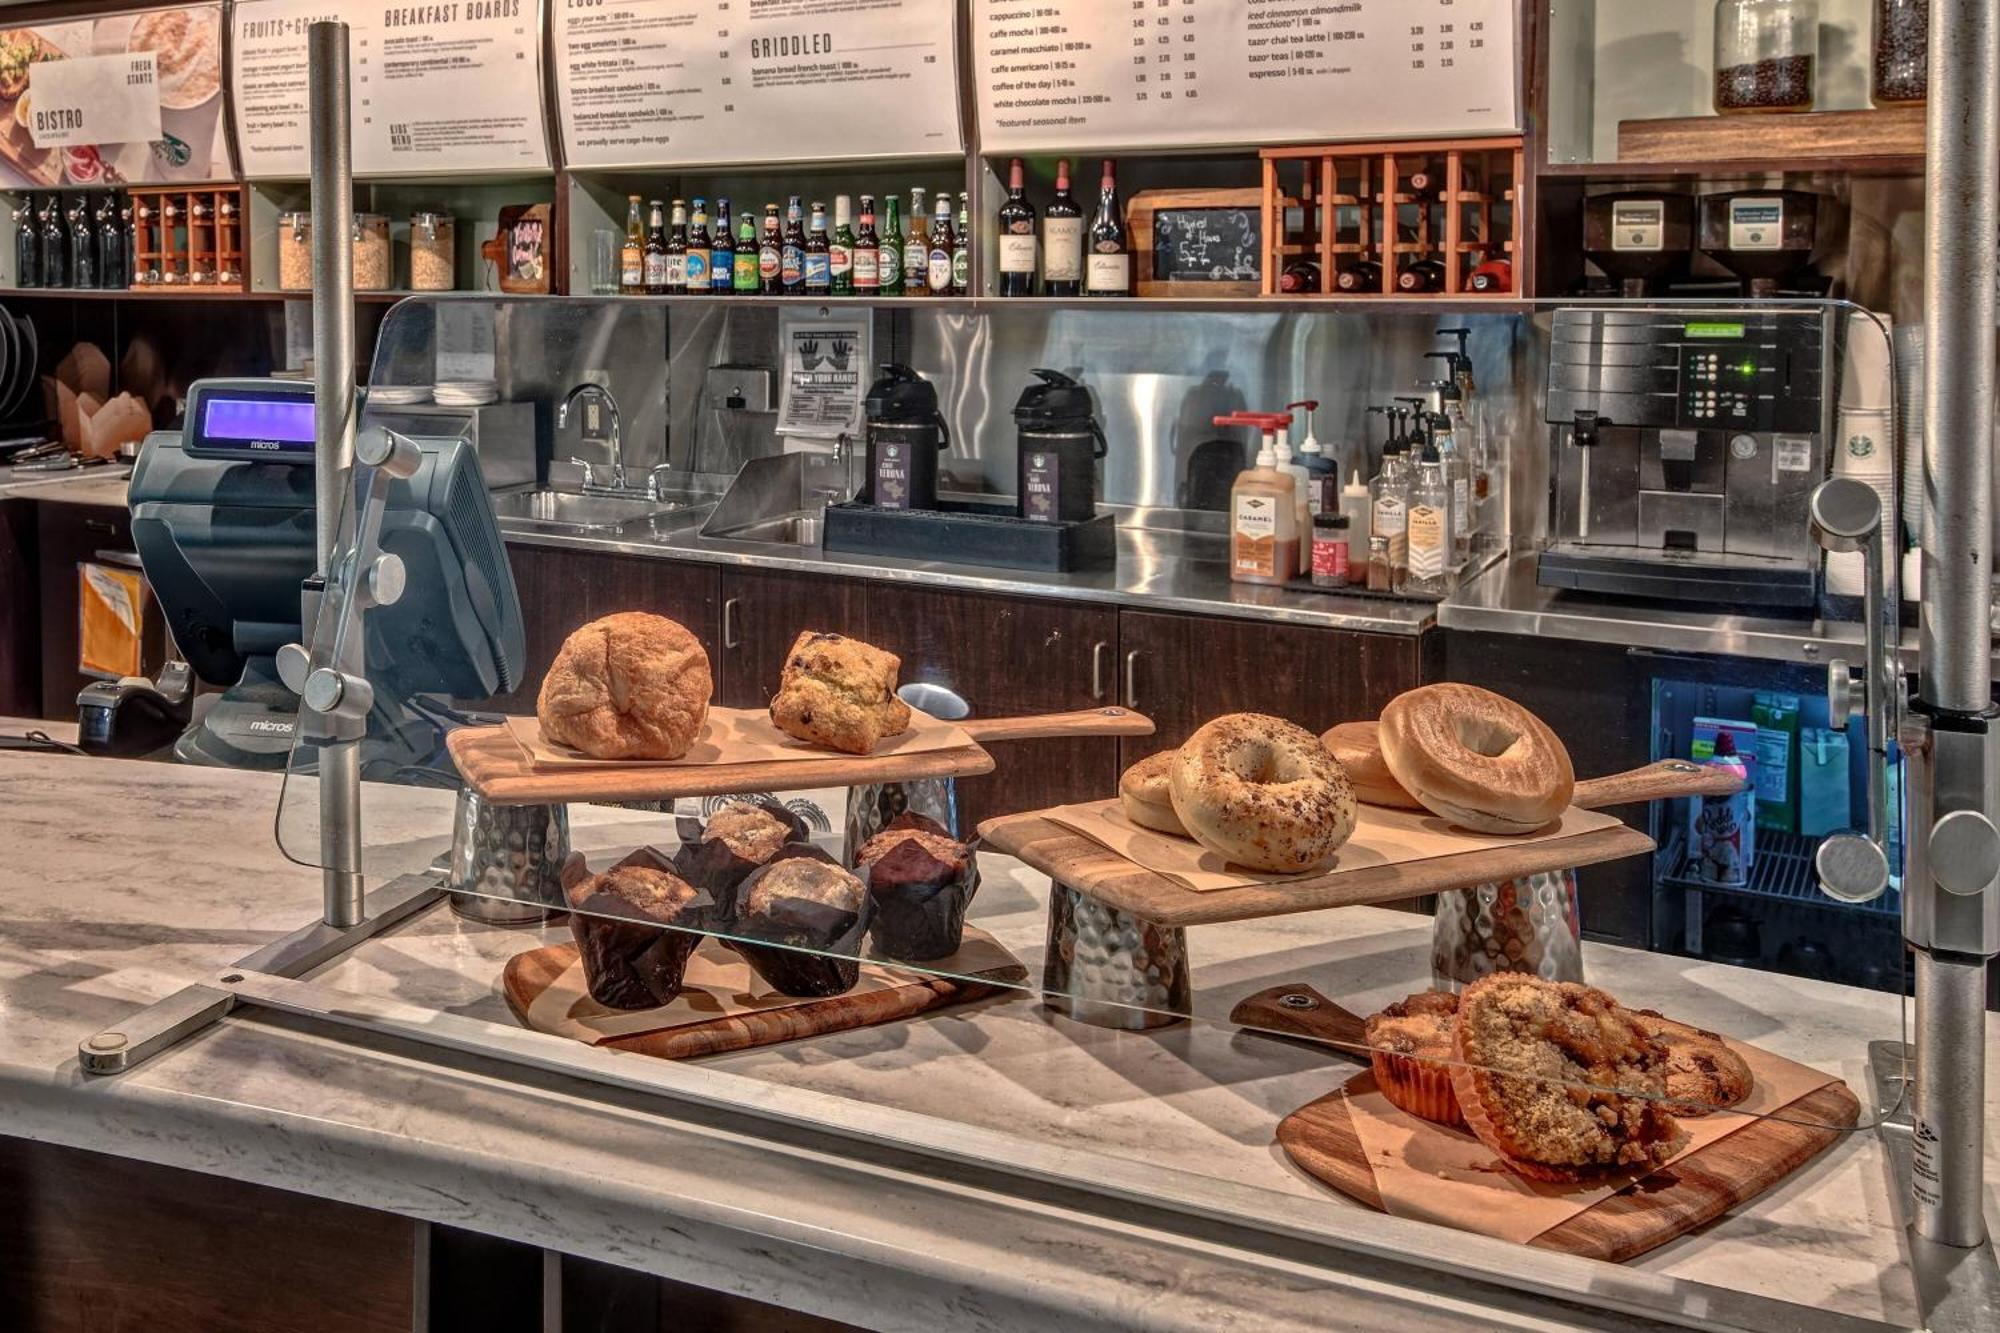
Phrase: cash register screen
x=257 y=426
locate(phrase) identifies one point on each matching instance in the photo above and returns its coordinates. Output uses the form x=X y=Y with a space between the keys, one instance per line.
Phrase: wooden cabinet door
x=1009 y=656
x=762 y=613
x=561 y=589
x=1183 y=670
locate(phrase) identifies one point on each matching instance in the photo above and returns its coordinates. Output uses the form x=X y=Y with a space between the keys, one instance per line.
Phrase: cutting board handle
x=1656 y=782
x=1109 y=721
x=1298 y=1010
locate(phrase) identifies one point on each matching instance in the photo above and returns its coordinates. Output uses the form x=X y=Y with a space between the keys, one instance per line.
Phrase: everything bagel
x=1264 y=793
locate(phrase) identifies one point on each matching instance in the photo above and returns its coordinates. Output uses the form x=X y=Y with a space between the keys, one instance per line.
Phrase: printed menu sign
x=438 y=88
x=129 y=99
x=685 y=82
x=1056 y=74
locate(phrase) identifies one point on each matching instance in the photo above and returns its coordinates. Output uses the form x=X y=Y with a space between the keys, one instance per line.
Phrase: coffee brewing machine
x=1686 y=446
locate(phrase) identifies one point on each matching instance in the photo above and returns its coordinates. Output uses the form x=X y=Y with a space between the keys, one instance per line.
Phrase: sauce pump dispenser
x=1059 y=442
x=906 y=433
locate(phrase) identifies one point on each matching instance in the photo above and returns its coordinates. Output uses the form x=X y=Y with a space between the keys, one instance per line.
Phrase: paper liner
x=919 y=921
x=1421 y=1087
x=738 y=736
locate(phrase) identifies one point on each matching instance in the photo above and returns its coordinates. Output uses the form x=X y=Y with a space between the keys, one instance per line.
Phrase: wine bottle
x=1109 y=272
x=1362 y=276
x=1062 y=239
x=1420 y=275
x=1015 y=231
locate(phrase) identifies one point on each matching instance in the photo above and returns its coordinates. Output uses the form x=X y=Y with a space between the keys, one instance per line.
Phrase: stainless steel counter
x=1156 y=571
x=99 y=484
x=1506 y=600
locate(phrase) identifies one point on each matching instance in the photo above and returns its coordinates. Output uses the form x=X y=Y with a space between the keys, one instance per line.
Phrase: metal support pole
x=333 y=428
x=1952 y=897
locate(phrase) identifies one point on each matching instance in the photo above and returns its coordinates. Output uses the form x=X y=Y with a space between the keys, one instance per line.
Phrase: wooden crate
x=1356 y=203
x=189 y=238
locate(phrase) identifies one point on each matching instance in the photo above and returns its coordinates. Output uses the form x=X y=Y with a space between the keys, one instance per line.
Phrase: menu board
x=686 y=82
x=440 y=88
x=1105 y=74
x=129 y=99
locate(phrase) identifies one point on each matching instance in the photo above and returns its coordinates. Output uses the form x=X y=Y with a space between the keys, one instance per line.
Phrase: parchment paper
x=719 y=984
x=1381 y=837
x=739 y=736
x=1426 y=1171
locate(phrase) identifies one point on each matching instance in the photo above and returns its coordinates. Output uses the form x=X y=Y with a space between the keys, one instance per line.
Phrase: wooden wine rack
x=189 y=239
x=1354 y=205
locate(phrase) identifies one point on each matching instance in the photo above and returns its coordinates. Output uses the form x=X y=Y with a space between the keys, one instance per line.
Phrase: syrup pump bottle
x=1263 y=509
x=1388 y=512
x=1322 y=471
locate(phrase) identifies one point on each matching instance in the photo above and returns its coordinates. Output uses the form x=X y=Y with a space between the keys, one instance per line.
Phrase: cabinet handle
x=1100 y=659
x=729 y=639
x=1132 y=679
x=103 y=525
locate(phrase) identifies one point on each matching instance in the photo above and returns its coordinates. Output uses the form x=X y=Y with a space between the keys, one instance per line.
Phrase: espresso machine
x=1687 y=443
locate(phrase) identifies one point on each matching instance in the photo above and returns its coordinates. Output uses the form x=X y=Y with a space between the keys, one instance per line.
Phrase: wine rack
x=1445 y=208
x=189 y=238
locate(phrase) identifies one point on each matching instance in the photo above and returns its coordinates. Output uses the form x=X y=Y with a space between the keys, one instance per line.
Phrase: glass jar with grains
x=1766 y=52
x=433 y=252
x=1902 y=72
x=295 y=252
x=371 y=252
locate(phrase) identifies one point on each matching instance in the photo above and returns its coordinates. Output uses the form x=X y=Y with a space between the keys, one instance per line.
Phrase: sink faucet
x=599 y=394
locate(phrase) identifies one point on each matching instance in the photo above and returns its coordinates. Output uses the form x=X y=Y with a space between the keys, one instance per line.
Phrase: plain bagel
x=1477 y=759
x=1264 y=793
x=1358 y=747
x=1146 y=790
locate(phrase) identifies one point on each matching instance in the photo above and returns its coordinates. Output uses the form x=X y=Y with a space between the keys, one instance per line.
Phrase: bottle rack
x=189 y=238
x=1364 y=211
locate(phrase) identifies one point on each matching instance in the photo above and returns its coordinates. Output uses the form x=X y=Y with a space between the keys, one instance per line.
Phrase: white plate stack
x=1865 y=436
x=399 y=395
x=467 y=393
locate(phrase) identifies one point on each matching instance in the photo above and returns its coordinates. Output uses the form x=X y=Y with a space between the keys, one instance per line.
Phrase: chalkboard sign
x=1197 y=242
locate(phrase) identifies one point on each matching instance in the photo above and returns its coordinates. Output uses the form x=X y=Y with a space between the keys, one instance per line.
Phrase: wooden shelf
x=1769 y=143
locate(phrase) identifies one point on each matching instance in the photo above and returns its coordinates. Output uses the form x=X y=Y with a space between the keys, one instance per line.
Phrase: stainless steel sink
x=801 y=528
x=599 y=513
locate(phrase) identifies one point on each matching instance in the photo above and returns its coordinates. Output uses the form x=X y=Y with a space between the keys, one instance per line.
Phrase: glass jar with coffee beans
x=1765 y=55
x=1902 y=52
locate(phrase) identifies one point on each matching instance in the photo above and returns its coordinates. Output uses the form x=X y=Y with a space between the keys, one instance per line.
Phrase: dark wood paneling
x=1188 y=669
x=1589 y=695
x=97 y=1244
x=561 y=589
x=66 y=536
x=483 y=1282
x=1008 y=656
x=20 y=612
x=599 y=1298
x=764 y=612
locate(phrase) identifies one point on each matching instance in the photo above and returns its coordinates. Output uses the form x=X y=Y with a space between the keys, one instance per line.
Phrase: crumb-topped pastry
x=1703 y=1073
x=1409 y=1047
x=840 y=693
x=1560 y=1080
x=748 y=829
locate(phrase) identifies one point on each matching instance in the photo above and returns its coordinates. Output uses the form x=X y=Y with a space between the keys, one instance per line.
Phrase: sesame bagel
x=1264 y=793
x=1146 y=790
x=1477 y=759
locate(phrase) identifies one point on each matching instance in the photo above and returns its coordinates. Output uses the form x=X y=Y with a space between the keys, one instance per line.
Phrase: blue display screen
x=259 y=425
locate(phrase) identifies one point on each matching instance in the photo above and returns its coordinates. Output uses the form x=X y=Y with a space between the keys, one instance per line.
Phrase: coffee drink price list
x=1134 y=74
x=437 y=87
x=646 y=83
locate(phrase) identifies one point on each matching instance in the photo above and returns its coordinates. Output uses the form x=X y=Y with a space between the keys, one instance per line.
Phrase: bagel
x=1358 y=747
x=1263 y=793
x=1477 y=759
x=1146 y=792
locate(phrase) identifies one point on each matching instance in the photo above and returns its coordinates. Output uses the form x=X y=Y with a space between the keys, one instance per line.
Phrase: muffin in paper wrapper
x=717 y=867
x=631 y=961
x=1419 y=1086
x=920 y=899
x=800 y=947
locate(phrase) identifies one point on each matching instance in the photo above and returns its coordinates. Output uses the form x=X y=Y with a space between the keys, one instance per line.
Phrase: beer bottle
x=867 y=251
x=770 y=254
x=916 y=246
x=892 y=248
x=818 y=255
x=937 y=275
x=654 y=263
x=841 y=254
x=632 y=258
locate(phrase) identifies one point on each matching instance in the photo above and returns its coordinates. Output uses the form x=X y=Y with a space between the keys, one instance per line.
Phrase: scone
x=1146 y=791
x=1560 y=1080
x=1409 y=1047
x=840 y=693
x=1703 y=1073
x=629 y=686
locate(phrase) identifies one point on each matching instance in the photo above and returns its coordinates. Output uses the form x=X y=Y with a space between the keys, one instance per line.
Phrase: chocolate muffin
x=800 y=921
x=635 y=927
x=921 y=880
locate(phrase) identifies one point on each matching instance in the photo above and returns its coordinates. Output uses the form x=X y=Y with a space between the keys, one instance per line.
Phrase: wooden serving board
x=528 y=975
x=1690 y=1192
x=1103 y=874
x=494 y=765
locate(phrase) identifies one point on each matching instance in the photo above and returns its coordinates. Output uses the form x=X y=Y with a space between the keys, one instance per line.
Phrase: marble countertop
x=103 y=484
x=129 y=881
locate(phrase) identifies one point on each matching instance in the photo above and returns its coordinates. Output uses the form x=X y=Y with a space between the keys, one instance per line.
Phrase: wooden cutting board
x=1103 y=874
x=528 y=975
x=1690 y=1192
